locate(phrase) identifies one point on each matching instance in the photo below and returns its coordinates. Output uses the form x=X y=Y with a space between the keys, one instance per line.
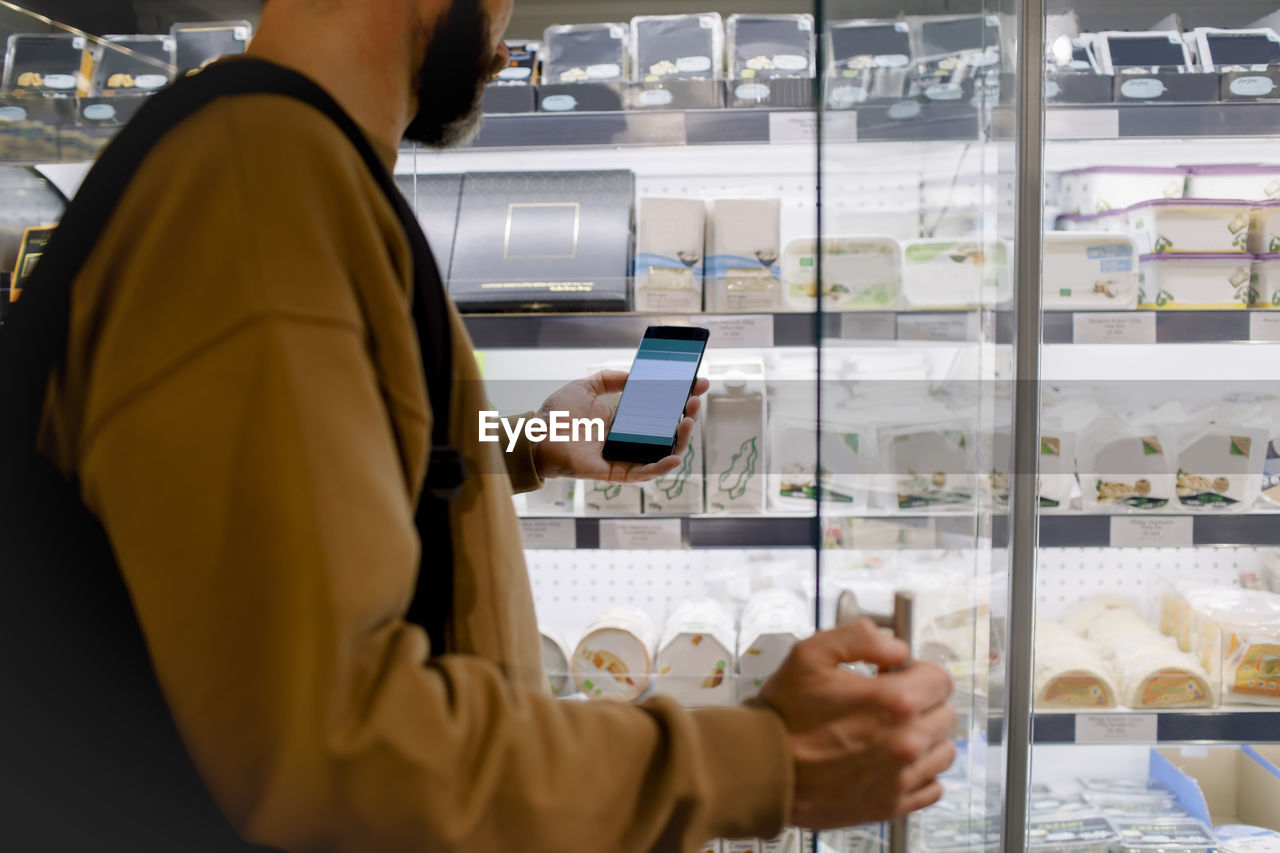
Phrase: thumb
x=859 y=641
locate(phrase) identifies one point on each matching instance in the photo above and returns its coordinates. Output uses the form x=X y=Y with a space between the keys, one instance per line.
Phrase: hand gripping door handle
x=900 y=622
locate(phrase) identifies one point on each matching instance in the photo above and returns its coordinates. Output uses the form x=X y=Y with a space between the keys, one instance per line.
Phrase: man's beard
x=458 y=64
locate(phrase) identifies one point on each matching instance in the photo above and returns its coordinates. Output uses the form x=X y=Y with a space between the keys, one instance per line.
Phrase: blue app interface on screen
x=653 y=401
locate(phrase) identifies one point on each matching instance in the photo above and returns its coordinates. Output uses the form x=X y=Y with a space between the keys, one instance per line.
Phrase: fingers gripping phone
x=657 y=389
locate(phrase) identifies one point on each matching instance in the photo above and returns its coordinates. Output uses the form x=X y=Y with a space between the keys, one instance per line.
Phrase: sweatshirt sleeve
x=521 y=468
x=252 y=486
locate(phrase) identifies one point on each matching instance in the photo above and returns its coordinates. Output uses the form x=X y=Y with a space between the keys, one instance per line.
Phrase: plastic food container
x=955 y=274
x=1052 y=805
x=1264 y=289
x=1163 y=836
x=1134 y=806
x=1264 y=232
x=695 y=658
x=1086 y=271
x=555 y=661
x=1194 y=226
x=1070 y=835
x=1255 y=182
x=1103 y=188
x=1194 y=282
x=1122 y=787
x=615 y=655
x=961 y=836
x=1111 y=222
x=858 y=274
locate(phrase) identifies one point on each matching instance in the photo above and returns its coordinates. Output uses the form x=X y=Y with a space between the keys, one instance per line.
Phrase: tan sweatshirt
x=244 y=405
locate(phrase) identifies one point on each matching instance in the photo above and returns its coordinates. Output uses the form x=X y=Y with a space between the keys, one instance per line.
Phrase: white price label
x=549 y=533
x=738 y=330
x=959 y=326
x=1130 y=327
x=1116 y=728
x=641 y=535
x=1264 y=326
x=1082 y=124
x=1134 y=532
x=857 y=326
x=802 y=127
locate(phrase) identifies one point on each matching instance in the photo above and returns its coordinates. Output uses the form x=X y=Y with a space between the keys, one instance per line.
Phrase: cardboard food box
x=1223 y=785
x=544 y=241
x=54 y=65
x=196 y=45
x=742 y=272
x=669 y=255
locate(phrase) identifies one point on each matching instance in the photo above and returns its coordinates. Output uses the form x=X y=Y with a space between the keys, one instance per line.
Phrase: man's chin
x=454 y=134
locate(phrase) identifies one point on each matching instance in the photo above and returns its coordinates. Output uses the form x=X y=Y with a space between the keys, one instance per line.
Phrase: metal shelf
x=1220 y=725
x=577 y=331
x=883 y=530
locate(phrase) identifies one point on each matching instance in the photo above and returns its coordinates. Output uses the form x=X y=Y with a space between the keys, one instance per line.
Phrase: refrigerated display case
x=975 y=336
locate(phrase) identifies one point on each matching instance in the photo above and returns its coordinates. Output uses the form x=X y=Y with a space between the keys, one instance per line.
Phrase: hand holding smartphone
x=658 y=388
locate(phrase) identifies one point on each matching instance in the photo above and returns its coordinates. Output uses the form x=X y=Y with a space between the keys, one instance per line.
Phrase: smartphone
x=653 y=401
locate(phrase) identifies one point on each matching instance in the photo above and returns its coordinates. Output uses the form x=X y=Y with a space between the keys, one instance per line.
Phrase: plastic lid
x=1192 y=202
x=1197 y=256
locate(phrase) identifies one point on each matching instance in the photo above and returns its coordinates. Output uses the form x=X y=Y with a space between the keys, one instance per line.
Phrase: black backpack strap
x=39 y=322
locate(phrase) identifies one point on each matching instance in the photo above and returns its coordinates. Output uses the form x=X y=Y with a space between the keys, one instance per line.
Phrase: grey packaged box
x=742 y=273
x=584 y=53
x=669 y=249
x=196 y=45
x=435 y=199
x=132 y=65
x=687 y=47
x=544 y=241
x=53 y=65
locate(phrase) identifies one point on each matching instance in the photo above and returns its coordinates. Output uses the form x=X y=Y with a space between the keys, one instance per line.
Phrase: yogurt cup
x=1191 y=226
x=1255 y=182
x=1264 y=289
x=1196 y=282
x=1103 y=188
x=695 y=657
x=614 y=658
x=1089 y=271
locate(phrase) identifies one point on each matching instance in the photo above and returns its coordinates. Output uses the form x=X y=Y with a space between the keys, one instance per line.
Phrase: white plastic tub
x=1103 y=188
x=1264 y=291
x=1254 y=182
x=1191 y=226
x=1089 y=272
x=858 y=274
x=1264 y=230
x=955 y=274
x=1194 y=282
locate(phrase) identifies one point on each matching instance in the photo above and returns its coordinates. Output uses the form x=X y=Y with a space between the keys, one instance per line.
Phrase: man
x=243 y=407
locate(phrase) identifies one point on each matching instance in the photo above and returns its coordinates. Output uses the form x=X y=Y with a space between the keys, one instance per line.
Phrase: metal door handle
x=900 y=622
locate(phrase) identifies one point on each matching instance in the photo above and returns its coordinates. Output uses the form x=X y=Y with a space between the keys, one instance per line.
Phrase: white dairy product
x=1253 y=182
x=1163 y=836
x=858 y=274
x=845 y=477
x=669 y=254
x=1264 y=232
x=1264 y=288
x=1220 y=467
x=554 y=498
x=735 y=438
x=742 y=273
x=695 y=655
x=1124 y=468
x=927 y=465
x=614 y=658
x=1089 y=271
x=1191 y=226
x=1239 y=838
x=1103 y=188
x=955 y=274
x=555 y=662
x=773 y=620
x=1070 y=674
x=1152 y=672
x=680 y=492
x=1109 y=222
x=790 y=840
x=1057 y=479
x=1194 y=282
x=1070 y=835
x=609 y=499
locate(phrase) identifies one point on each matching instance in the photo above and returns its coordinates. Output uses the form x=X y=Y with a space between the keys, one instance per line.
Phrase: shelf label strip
x=1082 y=124
x=1264 y=326
x=738 y=330
x=1116 y=728
x=1135 y=532
x=549 y=533
x=661 y=534
x=1134 y=327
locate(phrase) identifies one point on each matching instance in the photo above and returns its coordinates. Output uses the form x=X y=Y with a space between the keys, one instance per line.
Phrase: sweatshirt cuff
x=752 y=776
x=521 y=468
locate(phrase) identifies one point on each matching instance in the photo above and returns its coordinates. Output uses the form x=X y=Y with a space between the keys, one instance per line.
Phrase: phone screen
x=654 y=398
